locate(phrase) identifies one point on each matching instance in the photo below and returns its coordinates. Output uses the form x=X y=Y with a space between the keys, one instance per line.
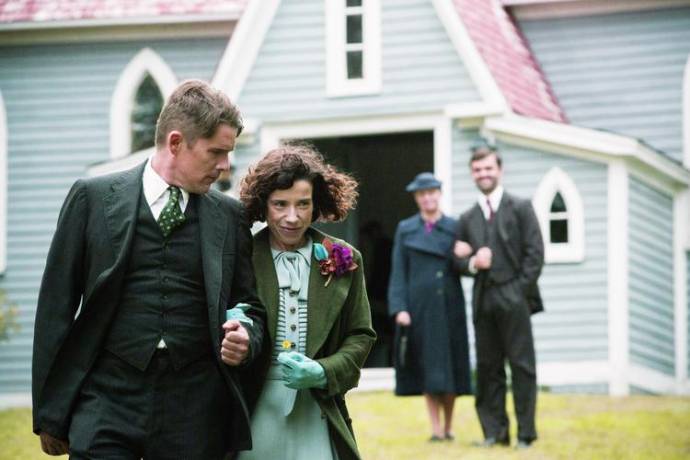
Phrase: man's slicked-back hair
x=481 y=152
x=196 y=109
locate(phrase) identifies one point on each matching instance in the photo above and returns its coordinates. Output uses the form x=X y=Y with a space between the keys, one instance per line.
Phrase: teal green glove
x=300 y=372
x=237 y=312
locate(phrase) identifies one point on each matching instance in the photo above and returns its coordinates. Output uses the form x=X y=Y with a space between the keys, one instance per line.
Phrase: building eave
x=545 y=9
x=568 y=138
x=122 y=21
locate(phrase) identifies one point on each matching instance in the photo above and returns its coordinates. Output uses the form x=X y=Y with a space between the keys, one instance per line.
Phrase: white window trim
x=145 y=62
x=557 y=181
x=272 y=135
x=3 y=186
x=337 y=83
x=686 y=115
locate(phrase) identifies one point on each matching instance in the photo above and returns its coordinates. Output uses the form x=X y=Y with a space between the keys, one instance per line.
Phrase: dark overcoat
x=339 y=335
x=84 y=273
x=425 y=283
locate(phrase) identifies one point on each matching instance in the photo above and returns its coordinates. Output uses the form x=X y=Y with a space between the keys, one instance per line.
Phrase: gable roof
x=492 y=30
x=510 y=61
x=46 y=11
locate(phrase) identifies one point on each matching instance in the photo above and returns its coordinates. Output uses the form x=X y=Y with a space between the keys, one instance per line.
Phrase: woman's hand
x=300 y=372
x=403 y=318
x=462 y=250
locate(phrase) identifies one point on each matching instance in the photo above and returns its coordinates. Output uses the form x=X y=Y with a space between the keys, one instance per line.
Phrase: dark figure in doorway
x=376 y=250
x=500 y=244
x=426 y=299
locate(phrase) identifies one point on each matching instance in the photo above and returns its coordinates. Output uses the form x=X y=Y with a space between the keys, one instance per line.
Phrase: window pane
x=148 y=103
x=559 y=231
x=354 y=64
x=354 y=29
x=558 y=205
x=354 y=3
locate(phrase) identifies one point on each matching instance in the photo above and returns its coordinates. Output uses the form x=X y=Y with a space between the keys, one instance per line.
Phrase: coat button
x=293 y=309
x=293 y=327
x=439 y=274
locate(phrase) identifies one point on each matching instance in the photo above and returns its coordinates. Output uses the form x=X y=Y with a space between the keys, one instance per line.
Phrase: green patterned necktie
x=171 y=216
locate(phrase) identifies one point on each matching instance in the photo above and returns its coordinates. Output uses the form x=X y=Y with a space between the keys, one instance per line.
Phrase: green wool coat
x=339 y=335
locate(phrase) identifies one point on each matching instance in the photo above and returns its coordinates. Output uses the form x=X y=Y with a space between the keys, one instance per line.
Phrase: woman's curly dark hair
x=334 y=193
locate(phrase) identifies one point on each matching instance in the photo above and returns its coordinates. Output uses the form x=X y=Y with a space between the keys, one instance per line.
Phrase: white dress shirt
x=495 y=200
x=156 y=193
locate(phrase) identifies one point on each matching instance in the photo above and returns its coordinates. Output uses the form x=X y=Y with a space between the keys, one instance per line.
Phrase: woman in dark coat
x=426 y=299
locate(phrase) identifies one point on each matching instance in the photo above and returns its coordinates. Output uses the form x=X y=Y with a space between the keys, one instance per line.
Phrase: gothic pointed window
x=560 y=212
x=139 y=95
x=558 y=220
x=148 y=103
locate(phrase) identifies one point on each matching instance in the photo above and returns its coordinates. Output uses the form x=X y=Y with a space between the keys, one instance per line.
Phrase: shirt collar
x=155 y=186
x=305 y=251
x=494 y=198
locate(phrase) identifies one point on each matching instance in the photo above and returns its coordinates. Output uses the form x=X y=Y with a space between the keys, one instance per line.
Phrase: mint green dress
x=288 y=424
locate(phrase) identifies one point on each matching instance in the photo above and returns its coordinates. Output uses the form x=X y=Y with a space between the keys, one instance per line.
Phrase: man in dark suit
x=132 y=355
x=500 y=244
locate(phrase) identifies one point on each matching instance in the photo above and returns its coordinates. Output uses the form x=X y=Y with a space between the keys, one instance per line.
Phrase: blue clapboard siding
x=687 y=285
x=651 y=277
x=421 y=69
x=620 y=72
x=573 y=328
x=58 y=103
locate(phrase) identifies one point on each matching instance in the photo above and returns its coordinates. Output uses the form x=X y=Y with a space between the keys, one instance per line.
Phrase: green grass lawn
x=570 y=427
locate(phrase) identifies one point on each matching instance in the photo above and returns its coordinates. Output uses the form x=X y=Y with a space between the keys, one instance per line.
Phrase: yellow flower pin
x=287 y=345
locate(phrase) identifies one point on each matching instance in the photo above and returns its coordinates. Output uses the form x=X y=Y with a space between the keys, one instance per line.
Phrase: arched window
x=3 y=186
x=148 y=103
x=559 y=208
x=139 y=95
x=558 y=220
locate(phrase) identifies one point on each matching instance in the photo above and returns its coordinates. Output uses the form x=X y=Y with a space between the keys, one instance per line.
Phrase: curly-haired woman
x=319 y=322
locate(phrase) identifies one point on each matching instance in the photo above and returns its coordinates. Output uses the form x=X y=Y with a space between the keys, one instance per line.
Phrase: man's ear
x=175 y=140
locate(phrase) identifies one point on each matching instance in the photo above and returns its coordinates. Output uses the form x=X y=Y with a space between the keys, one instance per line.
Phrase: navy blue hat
x=423 y=181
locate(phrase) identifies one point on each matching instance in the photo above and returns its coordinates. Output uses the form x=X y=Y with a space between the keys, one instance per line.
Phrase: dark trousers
x=160 y=413
x=503 y=330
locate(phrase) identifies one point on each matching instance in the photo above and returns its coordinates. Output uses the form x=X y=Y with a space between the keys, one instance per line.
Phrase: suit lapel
x=505 y=211
x=212 y=229
x=121 y=206
x=325 y=302
x=478 y=226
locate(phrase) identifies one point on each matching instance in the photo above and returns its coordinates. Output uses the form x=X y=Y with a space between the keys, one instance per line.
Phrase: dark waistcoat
x=501 y=269
x=163 y=294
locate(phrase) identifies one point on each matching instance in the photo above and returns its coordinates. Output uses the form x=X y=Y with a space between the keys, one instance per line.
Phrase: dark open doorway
x=383 y=165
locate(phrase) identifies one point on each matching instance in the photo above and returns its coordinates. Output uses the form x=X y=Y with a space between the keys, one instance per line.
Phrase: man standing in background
x=500 y=244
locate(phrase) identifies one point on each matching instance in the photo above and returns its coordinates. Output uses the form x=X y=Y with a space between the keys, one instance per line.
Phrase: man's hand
x=235 y=346
x=403 y=318
x=53 y=446
x=462 y=250
x=482 y=260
